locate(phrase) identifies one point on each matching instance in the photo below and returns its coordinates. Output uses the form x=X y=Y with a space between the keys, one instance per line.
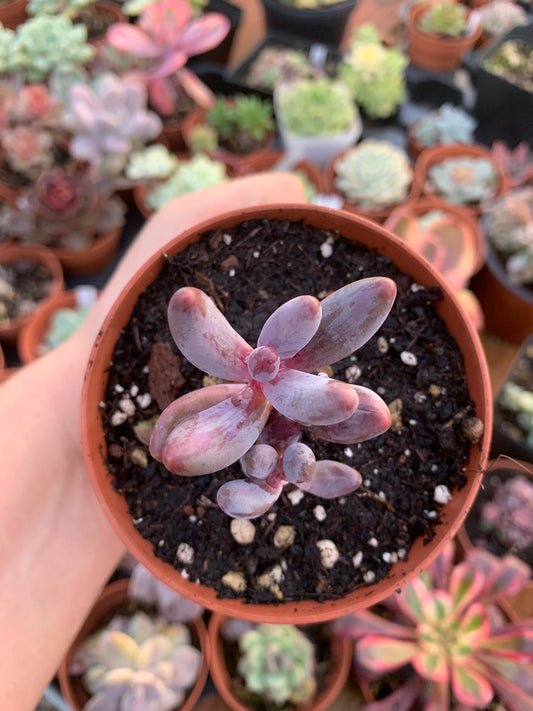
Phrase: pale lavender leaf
x=205 y=337
x=259 y=461
x=311 y=399
x=204 y=33
x=263 y=363
x=183 y=407
x=371 y=419
x=247 y=498
x=290 y=327
x=299 y=463
x=332 y=479
x=280 y=431
x=216 y=437
x=350 y=316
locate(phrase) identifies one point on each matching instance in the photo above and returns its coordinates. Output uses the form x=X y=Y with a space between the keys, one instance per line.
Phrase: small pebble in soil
x=357 y=559
x=408 y=358
x=235 y=581
x=319 y=513
x=295 y=496
x=185 y=553
x=442 y=494
x=329 y=553
x=242 y=530
x=284 y=536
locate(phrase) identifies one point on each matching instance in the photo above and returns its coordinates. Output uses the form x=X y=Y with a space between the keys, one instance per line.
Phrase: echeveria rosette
x=272 y=394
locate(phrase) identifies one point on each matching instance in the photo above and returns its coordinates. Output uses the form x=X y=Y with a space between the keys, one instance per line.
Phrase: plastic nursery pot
x=437 y=154
x=109 y=12
x=92 y=258
x=340 y=659
x=43 y=256
x=519 y=606
x=268 y=159
x=421 y=553
x=113 y=597
x=13 y=13
x=318 y=24
x=436 y=52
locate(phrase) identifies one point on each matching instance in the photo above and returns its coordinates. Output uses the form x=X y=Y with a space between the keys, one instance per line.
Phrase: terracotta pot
x=434 y=52
x=112 y=598
x=268 y=159
x=13 y=13
x=340 y=658
x=518 y=606
x=113 y=13
x=10 y=253
x=421 y=553
x=437 y=154
x=94 y=257
x=379 y=215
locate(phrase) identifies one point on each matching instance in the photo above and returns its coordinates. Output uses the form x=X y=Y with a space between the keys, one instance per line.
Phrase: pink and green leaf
x=465 y=585
x=441 y=567
x=247 y=498
x=415 y=600
x=361 y=624
x=383 y=654
x=502 y=576
x=512 y=682
x=290 y=327
x=513 y=641
x=431 y=664
x=299 y=463
x=132 y=40
x=471 y=687
x=259 y=461
x=474 y=627
x=204 y=33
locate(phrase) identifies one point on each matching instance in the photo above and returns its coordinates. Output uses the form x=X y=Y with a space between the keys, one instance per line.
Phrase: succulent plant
x=451 y=645
x=278 y=64
x=273 y=395
x=447 y=18
x=375 y=74
x=278 y=663
x=250 y=117
x=188 y=177
x=48 y=44
x=305 y=4
x=516 y=162
x=163 y=38
x=512 y=60
x=28 y=151
x=203 y=139
x=304 y=107
x=137 y=662
x=10 y=57
x=70 y=8
x=108 y=120
x=499 y=16
x=519 y=400
x=447 y=124
x=374 y=174
x=155 y=162
x=147 y=589
x=63 y=323
x=509 y=515
x=135 y=7
x=464 y=180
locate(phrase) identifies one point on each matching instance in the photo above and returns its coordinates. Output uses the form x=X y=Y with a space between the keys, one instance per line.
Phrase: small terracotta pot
x=94 y=257
x=113 y=503
x=13 y=13
x=112 y=598
x=340 y=658
x=10 y=253
x=519 y=606
x=434 y=52
x=113 y=12
x=267 y=159
x=437 y=154
x=378 y=216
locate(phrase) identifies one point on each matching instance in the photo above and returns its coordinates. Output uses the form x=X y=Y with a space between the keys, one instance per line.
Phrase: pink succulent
x=27 y=150
x=35 y=103
x=165 y=36
x=273 y=394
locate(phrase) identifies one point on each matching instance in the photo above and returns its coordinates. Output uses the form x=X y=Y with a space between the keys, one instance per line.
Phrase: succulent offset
x=258 y=416
x=450 y=644
x=136 y=663
x=278 y=663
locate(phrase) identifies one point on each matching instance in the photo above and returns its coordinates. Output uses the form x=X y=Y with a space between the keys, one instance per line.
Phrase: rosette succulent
x=374 y=174
x=509 y=514
x=447 y=18
x=464 y=180
x=447 y=124
x=272 y=395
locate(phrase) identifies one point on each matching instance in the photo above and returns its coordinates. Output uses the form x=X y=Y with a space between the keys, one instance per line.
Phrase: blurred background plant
x=447 y=124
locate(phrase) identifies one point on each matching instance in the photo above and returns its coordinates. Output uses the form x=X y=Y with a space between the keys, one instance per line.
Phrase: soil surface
x=23 y=284
x=249 y=272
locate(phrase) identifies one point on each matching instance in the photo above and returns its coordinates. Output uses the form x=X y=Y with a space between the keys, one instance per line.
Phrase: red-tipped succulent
x=258 y=416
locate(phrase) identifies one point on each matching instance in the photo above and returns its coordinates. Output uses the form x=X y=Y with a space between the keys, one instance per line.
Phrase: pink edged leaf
x=290 y=327
x=371 y=418
x=361 y=624
x=511 y=681
x=474 y=627
x=439 y=698
x=168 y=65
x=247 y=498
x=280 y=432
x=471 y=687
x=440 y=569
x=204 y=33
x=465 y=586
x=299 y=464
x=381 y=654
x=310 y=399
x=165 y=20
x=413 y=600
x=132 y=40
x=216 y=437
x=350 y=316
x=501 y=576
x=196 y=89
x=186 y=405
x=402 y=699
x=259 y=461
x=431 y=664
x=205 y=337
x=162 y=95
x=513 y=641
x=331 y=480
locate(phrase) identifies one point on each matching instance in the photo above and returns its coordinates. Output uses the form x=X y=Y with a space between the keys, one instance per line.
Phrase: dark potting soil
x=26 y=284
x=249 y=271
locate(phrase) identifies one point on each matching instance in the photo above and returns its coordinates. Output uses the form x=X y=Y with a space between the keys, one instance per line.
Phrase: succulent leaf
x=299 y=464
x=382 y=654
x=332 y=479
x=259 y=461
x=290 y=327
x=247 y=498
x=502 y=576
x=431 y=664
x=470 y=687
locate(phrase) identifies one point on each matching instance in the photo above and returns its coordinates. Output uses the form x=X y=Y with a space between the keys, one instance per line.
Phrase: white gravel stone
x=357 y=559
x=442 y=494
x=185 y=553
x=295 y=496
x=235 y=581
x=144 y=400
x=242 y=530
x=319 y=512
x=284 y=536
x=408 y=358
x=329 y=553
x=118 y=418
x=369 y=576
x=127 y=406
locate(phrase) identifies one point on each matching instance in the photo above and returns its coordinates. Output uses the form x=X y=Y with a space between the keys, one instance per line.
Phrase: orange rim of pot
x=452 y=515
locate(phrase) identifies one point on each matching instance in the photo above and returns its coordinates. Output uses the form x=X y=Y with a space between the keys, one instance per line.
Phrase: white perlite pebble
x=227 y=238
x=134 y=390
x=185 y=553
x=319 y=512
x=235 y=581
x=369 y=576
x=348 y=452
x=242 y=530
x=272 y=576
x=329 y=553
x=352 y=373
x=284 y=536
x=408 y=358
x=373 y=542
x=118 y=418
x=295 y=496
x=441 y=494
x=357 y=559
x=127 y=406
x=326 y=250
x=144 y=400
x=119 y=389
x=382 y=344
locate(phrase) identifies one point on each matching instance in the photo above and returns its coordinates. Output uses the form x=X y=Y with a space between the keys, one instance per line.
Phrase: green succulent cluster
x=56 y=7
x=247 y=113
x=375 y=74
x=155 y=162
x=278 y=663
x=447 y=18
x=447 y=124
x=464 y=180
x=305 y=107
x=374 y=174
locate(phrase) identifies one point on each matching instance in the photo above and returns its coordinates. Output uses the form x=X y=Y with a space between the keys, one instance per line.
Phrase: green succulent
x=10 y=56
x=374 y=174
x=203 y=139
x=464 y=180
x=137 y=662
x=447 y=124
x=63 y=324
x=153 y=163
x=135 y=7
x=305 y=107
x=278 y=663
x=276 y=64
x=190 y=176
x=374 y=73
x=446 y=18
x=56 y=7
x=249 y=113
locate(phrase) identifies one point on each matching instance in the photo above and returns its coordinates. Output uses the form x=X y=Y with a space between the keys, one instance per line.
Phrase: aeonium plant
x=259 y=415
